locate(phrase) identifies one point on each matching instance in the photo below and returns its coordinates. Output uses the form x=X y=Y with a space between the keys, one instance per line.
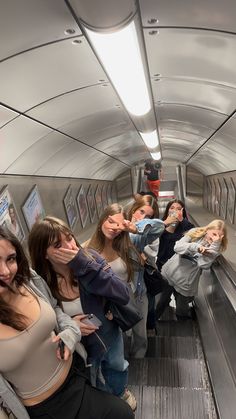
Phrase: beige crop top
x=29 y=359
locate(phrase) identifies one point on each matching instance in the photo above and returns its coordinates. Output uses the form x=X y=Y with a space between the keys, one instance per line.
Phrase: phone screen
x=61 y=347
x=92 y=319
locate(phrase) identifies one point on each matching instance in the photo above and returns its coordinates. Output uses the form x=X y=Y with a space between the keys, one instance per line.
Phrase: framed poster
x=109 y=197
x=213 y=195
x=205 y=192
x=218 y=196
x=224 y=199
x=98 y=200
x=231 y=201
x=33 y=208
x=70 y=207
x=113 y=193
x=91 y=203
x=8 y=215
x=82 y=206
x=209 y=194
x=104 y=195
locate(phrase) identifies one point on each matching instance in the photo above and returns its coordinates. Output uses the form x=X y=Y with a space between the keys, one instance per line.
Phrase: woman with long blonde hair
x=196 y=251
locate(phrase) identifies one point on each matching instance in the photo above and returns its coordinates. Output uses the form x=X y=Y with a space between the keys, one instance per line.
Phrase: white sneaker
x=129 y=398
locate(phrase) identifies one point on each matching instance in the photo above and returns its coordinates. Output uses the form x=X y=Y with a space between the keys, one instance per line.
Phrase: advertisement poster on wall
x=98 y=199
x=82 y=206
x=33 y=209
x=224 y=199
x=218 y=196
x=104 y=195
x=91 y=203
x=8 y=215
x=231 y=201
x=109 y=193
x=70 y=207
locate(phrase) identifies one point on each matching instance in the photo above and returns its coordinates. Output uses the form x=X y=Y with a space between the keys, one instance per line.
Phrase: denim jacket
x=148 y=231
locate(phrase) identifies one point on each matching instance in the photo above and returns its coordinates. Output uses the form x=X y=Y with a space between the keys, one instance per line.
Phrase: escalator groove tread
x=171 y=382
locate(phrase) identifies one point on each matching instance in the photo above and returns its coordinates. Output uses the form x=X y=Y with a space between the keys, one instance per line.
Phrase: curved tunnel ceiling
x=60 y=115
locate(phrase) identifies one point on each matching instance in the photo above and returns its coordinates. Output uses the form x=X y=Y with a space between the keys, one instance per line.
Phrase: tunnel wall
x=219 y=196
x=81 y=200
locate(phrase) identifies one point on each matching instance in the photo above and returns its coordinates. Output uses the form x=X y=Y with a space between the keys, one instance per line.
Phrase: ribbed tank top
x=119 y=268
x=72 y=308
x=29 y=358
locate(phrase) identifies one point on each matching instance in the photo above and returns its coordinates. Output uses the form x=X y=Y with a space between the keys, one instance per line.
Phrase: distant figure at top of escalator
x=153 y=171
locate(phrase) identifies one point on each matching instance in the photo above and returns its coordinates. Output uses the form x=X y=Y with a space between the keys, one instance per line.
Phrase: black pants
x=77 y=399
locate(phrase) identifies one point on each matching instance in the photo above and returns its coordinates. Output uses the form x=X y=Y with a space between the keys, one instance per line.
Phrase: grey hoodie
x=68 y=330
x=184 y=269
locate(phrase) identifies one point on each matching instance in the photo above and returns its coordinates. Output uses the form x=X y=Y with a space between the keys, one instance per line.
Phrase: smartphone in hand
x=61 y=347
x=91 y=319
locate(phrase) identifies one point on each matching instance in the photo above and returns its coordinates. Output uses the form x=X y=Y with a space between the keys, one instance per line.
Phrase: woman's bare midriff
x=41 y=397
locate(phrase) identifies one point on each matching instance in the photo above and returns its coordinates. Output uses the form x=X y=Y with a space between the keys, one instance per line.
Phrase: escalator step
x=173 y=403
x=188 y=373
x=175 y=328
x=172 y=347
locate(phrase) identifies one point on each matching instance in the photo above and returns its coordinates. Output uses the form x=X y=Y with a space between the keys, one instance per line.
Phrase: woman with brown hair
x=81 y=281
x=121 y=240
x=38 y=378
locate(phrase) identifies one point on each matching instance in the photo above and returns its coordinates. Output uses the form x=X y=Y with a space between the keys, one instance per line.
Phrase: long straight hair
x=42 y=235
x=8 y=315
x=121 y=243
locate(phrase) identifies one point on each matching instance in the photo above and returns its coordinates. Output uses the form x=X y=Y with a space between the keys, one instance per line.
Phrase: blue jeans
x=112 y=370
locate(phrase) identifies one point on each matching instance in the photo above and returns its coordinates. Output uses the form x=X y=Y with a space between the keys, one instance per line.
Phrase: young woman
x=176 y=224
x=81 y=282
x=112 y=240
x=37 y=379
x=194 y=252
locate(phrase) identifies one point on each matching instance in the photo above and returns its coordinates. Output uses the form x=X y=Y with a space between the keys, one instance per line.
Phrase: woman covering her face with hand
x=176 y=223
x=81 y=281
x=36 y=378
x=194 y=252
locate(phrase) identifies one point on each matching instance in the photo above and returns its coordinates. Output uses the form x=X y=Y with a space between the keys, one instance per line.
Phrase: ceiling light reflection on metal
x=156 y=156
x=150 y=138
x=121 y=56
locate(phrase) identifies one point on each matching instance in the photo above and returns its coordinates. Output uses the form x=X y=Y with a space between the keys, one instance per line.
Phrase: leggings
x=77 y=399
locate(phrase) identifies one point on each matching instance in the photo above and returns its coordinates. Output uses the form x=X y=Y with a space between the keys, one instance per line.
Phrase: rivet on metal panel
x=152 y=21
x=69 y=31
x=153 y=32
x=76 y=41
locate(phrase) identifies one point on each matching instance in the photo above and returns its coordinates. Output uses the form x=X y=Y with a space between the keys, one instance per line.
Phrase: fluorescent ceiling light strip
x=120 y=54
x=150 y=138
x=156 y=156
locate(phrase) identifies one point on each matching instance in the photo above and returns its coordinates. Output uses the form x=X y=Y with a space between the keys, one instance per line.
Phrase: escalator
x=171 y=382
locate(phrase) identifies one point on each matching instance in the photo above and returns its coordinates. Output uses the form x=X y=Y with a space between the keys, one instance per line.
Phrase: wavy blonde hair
x=200 y=232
